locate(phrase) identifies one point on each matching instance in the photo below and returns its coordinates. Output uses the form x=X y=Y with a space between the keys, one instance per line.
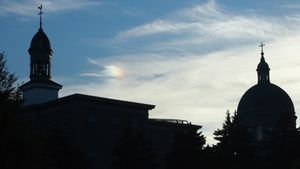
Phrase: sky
x=192 y=59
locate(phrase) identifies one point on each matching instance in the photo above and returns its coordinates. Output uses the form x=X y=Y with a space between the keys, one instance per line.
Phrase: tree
x=8 y=90
x=133 y=151
x=187 y=150
x=14 y=142
x=19 y=147
x=235 y=148
x=224 y=135
x=225 y=147
x=10 y=100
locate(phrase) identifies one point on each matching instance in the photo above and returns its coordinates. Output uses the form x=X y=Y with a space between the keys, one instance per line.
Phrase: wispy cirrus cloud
x=155 y=27
x=25 y=7
x=209 y=23
x=181 y=21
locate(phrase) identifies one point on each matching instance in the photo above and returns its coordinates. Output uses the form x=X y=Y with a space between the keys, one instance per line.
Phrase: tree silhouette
x=235 y=148
x=10 y=100
x=187 y=150
x=224 y=136
x=19 y=147
x=8 y=90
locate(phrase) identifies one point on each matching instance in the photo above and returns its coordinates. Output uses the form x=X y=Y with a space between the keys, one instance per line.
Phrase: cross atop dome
x=262 y=48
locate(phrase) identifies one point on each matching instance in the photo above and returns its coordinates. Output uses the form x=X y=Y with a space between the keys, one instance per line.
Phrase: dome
x=263 y=65
x=265 y=98
x=40 y=43
x=265 y=107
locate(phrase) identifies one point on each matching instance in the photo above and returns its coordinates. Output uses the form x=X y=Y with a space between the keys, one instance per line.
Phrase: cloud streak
x=202 y=29
x=212 y=24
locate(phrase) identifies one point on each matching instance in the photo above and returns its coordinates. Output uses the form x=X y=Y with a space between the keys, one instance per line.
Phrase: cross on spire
x=41 y=14
x=262 y=47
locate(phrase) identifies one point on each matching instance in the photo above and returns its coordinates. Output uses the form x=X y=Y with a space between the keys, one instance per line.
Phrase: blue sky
x=192 y=59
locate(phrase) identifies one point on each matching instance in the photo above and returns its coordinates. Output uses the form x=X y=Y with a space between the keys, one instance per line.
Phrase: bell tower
x=40 y=88
x=263 y=68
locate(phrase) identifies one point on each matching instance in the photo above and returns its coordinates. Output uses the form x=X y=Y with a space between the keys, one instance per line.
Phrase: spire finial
x=41 y=14
x=262 y=48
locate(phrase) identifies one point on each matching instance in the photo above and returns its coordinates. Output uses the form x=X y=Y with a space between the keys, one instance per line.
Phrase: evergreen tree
x=224 y=135
x=8 y=91
x=187 y=150
x=225 y=147
x=17 y=149
x=235 y=148
x=10 y=100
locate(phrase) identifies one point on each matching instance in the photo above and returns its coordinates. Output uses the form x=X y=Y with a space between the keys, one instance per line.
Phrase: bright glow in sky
x=193 y=60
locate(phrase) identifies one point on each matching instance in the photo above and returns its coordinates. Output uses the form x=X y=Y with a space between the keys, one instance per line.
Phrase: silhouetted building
x=40 y=88
x=91 y=123
x=265 y=106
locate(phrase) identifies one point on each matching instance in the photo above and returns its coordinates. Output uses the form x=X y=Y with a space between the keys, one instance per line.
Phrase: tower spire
x=40 y=54
x=40 y=88
x=263 y=68
x=41 y=15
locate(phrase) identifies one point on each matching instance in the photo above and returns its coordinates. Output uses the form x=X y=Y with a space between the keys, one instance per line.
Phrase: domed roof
x=263 y=65
x=266 y=97
x=40 y=43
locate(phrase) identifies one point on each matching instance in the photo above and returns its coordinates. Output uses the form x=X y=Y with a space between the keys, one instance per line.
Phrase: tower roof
x=262 y=66
x=40 y=43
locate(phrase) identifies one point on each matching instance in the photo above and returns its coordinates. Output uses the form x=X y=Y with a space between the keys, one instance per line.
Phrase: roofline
x=31 y=84
x=91 y=98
